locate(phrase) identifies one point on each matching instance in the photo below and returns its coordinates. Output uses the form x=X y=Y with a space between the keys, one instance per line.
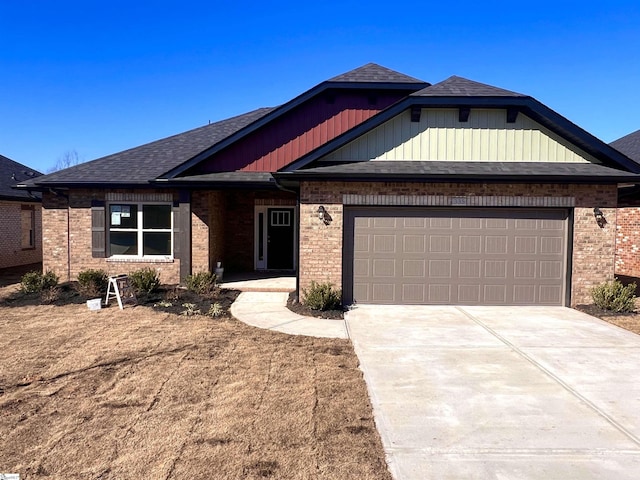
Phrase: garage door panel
x=413 y=293
x=469 y=268
x=413 y=243
x=383 y=293
x=413 y=268
x=494 y=294
x=526 y=245
x=465 y=256
x=440 y=244
x=470 y=244
x=384 y=243
x=384 y=268
x=439 y=294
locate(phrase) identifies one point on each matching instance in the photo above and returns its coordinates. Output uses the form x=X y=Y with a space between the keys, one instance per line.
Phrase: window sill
x=28 y=248
x=139 y=260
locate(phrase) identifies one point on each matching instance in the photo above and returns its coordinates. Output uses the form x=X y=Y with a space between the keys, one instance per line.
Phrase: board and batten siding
x=439 y=136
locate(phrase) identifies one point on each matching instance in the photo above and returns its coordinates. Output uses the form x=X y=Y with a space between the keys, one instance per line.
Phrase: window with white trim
x=140 y=230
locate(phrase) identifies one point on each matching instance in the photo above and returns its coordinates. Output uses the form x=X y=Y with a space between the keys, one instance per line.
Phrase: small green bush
x=321 y=296
x=201 y=282
x=92 y=283
x=614 y=296
x=33 y=282
x=145 y=280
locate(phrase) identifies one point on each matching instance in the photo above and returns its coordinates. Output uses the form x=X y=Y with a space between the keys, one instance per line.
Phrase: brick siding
x=628 y=242
x=593 y=248
x=12 y=253
x=222 y=229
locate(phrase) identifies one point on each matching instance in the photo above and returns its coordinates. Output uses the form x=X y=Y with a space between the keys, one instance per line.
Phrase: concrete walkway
x=269 y=310
x=501 y=392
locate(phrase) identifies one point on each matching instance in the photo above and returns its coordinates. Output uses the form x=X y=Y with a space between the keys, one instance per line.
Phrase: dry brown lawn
x=138 y=394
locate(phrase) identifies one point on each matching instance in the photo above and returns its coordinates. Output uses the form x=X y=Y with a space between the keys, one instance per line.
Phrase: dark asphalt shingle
x=147 y=162
x=372 y=72
x=461 y=87
x=490 y=170
x=629 y=145
x=12 y=173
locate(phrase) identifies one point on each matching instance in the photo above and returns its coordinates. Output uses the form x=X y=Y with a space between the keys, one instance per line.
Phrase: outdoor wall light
x=324 y=215
x=600 y=220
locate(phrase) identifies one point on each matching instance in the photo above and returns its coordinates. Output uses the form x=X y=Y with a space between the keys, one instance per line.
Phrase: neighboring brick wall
x=11 y=252
x=628 y=242
x=593 y=247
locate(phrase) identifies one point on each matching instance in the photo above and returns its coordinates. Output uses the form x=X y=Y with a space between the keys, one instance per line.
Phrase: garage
x=466 y=256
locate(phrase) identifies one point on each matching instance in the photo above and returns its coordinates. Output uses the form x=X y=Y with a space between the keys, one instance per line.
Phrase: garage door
x=456 y=256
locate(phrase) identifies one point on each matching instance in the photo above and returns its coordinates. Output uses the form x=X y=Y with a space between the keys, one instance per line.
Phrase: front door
x=280 y=238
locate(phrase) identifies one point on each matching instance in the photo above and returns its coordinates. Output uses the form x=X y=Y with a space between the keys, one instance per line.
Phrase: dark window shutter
x=177 y=238
x=98 y=234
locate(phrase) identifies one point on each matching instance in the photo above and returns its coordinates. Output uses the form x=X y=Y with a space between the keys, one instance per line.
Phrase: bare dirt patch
x=141 y=393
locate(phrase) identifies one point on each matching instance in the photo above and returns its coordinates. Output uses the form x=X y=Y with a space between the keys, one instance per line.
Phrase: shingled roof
x=12 y=173
x=403 y=170
x=457 y=86
x=374 y=73
x=147 y=162
x=629 y=145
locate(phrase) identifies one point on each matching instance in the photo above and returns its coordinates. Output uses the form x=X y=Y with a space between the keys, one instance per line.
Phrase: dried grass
x=141 y=394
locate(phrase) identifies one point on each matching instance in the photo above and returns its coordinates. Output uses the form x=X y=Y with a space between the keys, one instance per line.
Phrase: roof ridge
x=456 y=86
x=372 y=72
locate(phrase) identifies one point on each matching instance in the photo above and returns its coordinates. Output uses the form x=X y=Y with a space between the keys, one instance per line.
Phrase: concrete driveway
x=501 y=392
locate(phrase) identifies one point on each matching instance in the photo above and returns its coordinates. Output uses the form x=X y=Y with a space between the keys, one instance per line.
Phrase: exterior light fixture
x=600 y=220
x=324 y=215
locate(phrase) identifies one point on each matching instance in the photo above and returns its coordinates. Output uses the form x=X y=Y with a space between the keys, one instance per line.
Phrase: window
x=140 y=230
x=28 y=226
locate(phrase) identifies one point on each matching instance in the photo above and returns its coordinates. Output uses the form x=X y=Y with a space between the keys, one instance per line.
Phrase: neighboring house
x=20 y=217
x=395 y=190
x=628 y=220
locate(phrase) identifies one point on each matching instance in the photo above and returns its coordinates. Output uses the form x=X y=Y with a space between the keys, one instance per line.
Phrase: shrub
x=321 y=296
x=614 y=296
x=201 y=282
x=92 y=283
x=215 y=310
x=35 y=281
x=145 y=280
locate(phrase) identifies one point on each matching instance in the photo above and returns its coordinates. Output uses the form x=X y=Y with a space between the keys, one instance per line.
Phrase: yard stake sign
x=122 y=291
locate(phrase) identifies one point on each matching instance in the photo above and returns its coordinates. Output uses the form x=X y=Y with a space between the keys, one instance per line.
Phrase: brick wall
x=67 y=250
x=593 y=248
x=628 y=242
x=11 y=251
x=218 y=206
x=200 y=222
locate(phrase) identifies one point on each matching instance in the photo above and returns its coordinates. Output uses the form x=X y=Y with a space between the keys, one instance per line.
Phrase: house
x=628 y=218
x=389 y=187
x=20 y=217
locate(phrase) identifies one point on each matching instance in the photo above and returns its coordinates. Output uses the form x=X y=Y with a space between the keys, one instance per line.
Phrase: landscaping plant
x=145 y=280
x=34 y=282
x=201 y=282
x=92 y=283
x=614 y=296
x=321 y=296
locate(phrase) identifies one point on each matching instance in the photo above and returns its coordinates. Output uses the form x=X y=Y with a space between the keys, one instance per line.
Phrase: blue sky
x=101 y=77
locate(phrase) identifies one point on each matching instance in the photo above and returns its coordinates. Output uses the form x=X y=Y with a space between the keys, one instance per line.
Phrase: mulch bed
x=168 y=299
x=298 y=307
